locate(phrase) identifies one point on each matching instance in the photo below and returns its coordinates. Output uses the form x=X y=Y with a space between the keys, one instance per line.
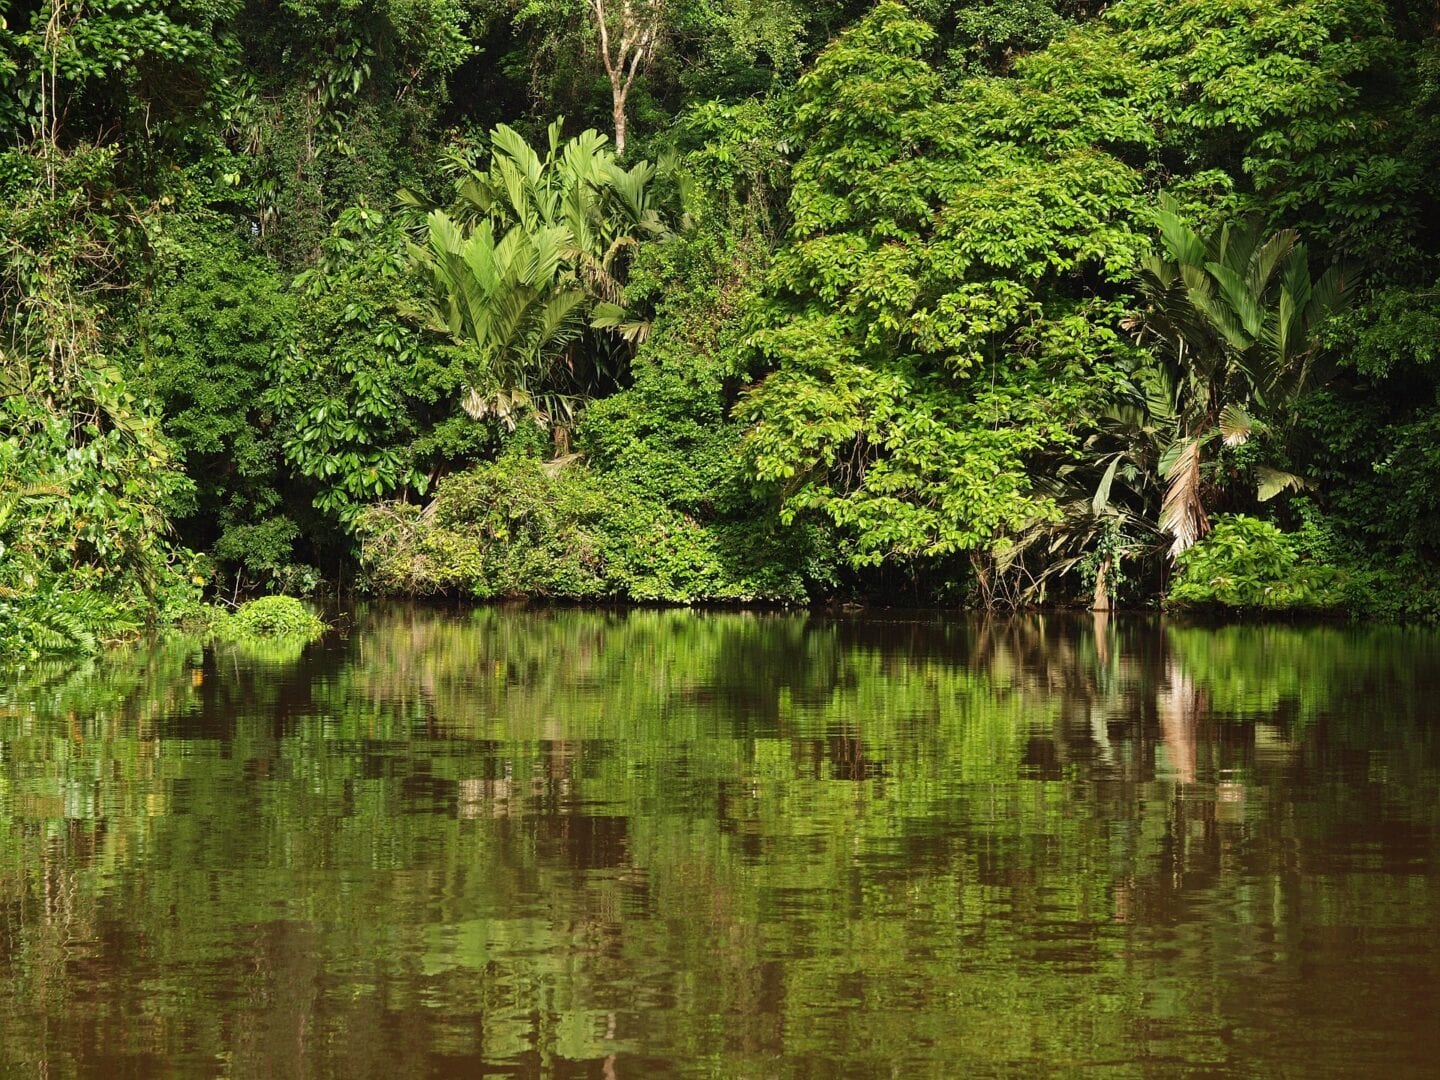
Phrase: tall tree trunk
x=629 y=32
x=617 y=108
x=1102 y=590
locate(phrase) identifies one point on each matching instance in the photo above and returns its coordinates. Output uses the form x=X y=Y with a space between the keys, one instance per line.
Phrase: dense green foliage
x=1244 y=563
x=997 y=301
x=274 y=616
x=519 y=527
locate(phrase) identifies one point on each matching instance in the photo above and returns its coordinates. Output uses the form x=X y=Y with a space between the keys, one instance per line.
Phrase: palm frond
x=1237 y=425
x=1271 y=482
x=531 y=258
x=1182 y=514
x=1101 y=498
x=1182 y=242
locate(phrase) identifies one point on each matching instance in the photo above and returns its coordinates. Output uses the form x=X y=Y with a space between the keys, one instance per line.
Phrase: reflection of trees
x=574 y=835
x=1180 y=707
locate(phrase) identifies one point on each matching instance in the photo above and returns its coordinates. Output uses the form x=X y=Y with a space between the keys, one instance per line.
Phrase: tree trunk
x=1102 y=591
x=628 y=39
x=617 y=96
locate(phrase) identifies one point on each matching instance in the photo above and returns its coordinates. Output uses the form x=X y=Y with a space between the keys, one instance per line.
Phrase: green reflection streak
x=727 y=844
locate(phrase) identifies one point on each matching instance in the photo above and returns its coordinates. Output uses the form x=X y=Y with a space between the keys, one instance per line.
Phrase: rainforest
x=1001 y=304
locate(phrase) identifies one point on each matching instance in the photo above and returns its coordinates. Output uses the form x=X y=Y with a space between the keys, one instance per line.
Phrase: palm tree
x=511 y=302
x=534 y=253
x=1233 y=320
x=1101 y=496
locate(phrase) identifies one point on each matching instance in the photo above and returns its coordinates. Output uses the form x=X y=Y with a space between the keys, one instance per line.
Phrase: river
x=492 y=842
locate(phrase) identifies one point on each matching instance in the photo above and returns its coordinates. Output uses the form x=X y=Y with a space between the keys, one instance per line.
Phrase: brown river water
x=574 y=843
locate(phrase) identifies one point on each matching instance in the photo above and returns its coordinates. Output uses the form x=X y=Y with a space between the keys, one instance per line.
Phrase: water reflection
x=633 y=844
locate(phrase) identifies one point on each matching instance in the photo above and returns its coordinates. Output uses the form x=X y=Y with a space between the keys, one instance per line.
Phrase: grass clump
x=272 y=617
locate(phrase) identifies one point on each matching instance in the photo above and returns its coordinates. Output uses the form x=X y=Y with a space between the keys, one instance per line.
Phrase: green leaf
x=1102 y=493
x=1272 y=482
x=1237 y=425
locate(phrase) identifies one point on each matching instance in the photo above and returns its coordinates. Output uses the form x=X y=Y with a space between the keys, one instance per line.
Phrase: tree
x=1234 y=318
x=140 y=77
x=512 y=301
x=97 y=102
x=534 y=254
x=350 y=380
x=86 y=475
x=630 y=32
x=331 y=105
x=206 y=328
x=616 y=60
x=922 y=332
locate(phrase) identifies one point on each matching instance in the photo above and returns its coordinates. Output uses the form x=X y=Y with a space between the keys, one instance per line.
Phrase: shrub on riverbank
x=522 y=527
x=271 y=629
x=1250 y=564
